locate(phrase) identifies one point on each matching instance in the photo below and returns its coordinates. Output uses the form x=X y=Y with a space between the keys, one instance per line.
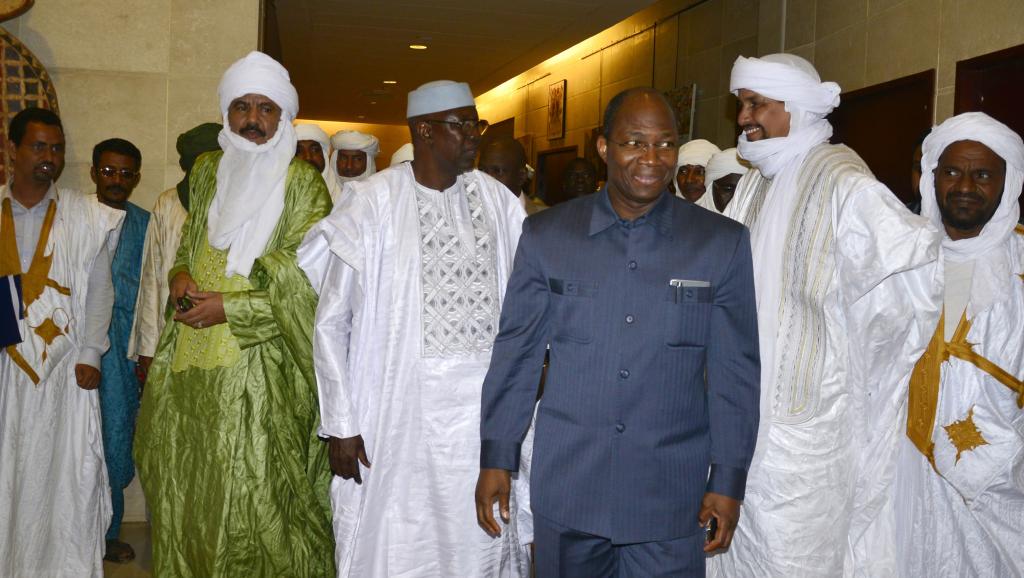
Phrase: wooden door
x=992 y=83
x=883 y=122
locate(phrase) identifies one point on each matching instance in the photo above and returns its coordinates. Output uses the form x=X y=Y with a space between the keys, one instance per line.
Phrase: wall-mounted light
x=390 y=82
x=418 y=46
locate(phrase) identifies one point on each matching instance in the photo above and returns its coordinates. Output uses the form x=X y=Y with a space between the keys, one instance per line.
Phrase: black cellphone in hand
x=184 y=304
x=711 y=530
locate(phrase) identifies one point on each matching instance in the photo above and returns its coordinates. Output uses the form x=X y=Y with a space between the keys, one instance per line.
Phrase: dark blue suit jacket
x=654 y=372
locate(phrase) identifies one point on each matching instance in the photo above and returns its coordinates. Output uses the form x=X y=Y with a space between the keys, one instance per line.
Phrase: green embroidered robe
x=235 y=477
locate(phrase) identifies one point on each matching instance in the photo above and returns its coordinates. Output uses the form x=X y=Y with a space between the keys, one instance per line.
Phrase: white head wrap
x=402 y=155
x=251 y=177
x=978 y=127
x=989 y=249
x=307 y=131
x=792 y=80
x=437 y=96
x=725 y=163
x=353 y=140
x=696 y=152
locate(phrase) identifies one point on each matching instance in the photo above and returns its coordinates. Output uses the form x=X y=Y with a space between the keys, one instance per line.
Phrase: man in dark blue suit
x=647 y=302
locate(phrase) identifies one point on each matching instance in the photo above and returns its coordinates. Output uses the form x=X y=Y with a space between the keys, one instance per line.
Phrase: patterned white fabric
x=419 y=415
x=54 y=495
x=857 y=302
x=970 y=506
x=460 y=293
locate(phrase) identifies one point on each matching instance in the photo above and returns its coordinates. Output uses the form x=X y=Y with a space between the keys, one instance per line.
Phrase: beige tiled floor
x=136 y=534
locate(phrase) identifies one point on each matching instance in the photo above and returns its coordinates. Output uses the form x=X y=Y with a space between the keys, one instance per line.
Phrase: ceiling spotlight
x=373 y=102
x=361 y=117
x=418 y=46
x=390 y=82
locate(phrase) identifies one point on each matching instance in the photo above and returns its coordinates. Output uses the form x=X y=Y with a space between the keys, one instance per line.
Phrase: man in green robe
x=235 y=477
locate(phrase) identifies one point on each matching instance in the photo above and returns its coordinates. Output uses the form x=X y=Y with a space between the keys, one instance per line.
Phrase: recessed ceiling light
x=418 y=46
x=373 y=102
x=361 y=117
x=390 y=82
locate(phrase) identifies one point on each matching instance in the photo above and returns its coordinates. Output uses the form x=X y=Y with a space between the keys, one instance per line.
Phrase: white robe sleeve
x=340 y=295
x=148 y=309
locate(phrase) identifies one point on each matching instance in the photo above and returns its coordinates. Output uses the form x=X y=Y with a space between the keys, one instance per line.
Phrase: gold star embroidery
x=49 y=331
x=965 y=435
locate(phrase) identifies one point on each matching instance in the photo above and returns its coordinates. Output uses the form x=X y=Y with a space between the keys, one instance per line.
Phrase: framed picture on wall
x=556 y=110
x=682 y=100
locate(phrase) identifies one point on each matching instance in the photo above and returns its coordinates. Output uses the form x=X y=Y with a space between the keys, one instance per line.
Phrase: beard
x=966 y=218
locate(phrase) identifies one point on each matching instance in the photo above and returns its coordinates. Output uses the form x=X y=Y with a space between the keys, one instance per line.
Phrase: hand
x=493 y=484
x=87 y=376
x=207 y=310
x=140 y=373
x=726 y=512
x=180 y=285
x=344 y=453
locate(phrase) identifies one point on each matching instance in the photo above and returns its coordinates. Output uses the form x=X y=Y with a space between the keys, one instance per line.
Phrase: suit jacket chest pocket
x=688 y=314
x=575 y=301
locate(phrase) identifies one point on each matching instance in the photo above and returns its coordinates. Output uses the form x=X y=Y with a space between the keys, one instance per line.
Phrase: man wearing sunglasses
x=410 y=269
x=115 y=170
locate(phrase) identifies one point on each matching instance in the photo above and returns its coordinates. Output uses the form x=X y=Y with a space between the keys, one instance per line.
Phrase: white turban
x=792 y=80
x=993 y=270
x=402 y=155
x=314 y=132
x=353 y=140
x=251 y=177
x=696 y=152
x=438 y=96
x=724 y=163
x=978 y=127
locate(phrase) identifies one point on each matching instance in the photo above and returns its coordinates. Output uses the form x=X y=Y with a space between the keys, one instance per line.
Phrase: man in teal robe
x=115 y=170
x=235 y=477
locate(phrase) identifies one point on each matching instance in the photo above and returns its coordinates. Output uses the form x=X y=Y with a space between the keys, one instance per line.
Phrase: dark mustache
x=254 y=128
x=117 y=189
x=972 y=195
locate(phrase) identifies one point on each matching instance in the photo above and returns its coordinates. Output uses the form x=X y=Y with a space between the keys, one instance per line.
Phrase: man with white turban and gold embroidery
x=724 y=171
x=235 y=477
x=314 y=147
x=691 y=166
x=354 y=156
x=411 y=268
x=848 y=290
x=56 y=247
x=959 y=499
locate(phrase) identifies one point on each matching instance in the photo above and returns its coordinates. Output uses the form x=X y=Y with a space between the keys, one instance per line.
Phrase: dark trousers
x=566 y=553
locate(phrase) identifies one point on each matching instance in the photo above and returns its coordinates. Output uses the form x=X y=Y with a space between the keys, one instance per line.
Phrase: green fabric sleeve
x=282 y=302
x=250 y=317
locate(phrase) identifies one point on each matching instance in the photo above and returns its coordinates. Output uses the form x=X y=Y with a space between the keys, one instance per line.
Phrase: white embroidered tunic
x=410 y=282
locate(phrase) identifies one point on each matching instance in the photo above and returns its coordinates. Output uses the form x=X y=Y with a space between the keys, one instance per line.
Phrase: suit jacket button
x=620 y=427
x=624 y=373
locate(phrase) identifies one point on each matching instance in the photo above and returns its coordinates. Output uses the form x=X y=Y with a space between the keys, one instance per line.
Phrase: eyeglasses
x=126 y=174
x=466 y=126
x=660 y=147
